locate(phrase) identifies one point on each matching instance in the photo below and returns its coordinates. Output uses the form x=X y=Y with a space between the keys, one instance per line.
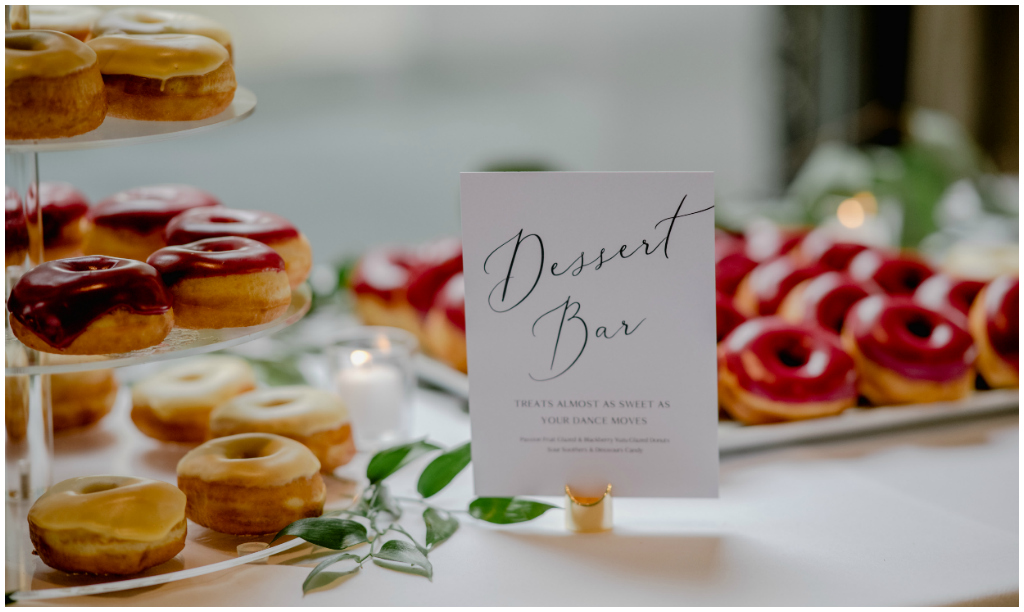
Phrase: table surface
x=914 y=517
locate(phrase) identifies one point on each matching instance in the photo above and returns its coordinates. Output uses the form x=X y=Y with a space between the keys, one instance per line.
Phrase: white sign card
x=590 y=312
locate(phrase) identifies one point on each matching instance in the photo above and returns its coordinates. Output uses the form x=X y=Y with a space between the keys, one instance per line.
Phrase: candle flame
x=359 y=358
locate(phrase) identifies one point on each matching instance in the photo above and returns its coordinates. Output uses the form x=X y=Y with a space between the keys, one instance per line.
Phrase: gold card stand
x=588 y=514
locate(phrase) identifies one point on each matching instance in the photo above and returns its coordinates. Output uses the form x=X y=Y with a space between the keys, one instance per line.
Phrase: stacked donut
x=77 y=66
x=809 y=326
x=144 y=260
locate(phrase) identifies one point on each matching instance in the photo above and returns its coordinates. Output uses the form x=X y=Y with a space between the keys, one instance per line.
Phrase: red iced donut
x=823 y=300
x=995 y=326
x=761 y=292
x=822 y=248
x=906 y=353
x=770 y=371
x=223 y=282
x=950 y=296
x=727 y=318
x=894 y=274
x=766 y=240
x=64 y=220
x=131 y=223
x=435 y=263
x=91 y=305
x=445 y=327
x=15 y=229
x=731 y=262
x=378 y=285
x=272 y=230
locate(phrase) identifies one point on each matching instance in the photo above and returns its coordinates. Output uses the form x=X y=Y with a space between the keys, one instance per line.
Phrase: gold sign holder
x=588 y=514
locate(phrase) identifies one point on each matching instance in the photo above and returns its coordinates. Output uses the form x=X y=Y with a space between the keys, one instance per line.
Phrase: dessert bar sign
x=590 y=312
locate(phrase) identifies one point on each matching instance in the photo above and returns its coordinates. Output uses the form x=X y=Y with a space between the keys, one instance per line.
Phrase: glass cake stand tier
x=179 y=343
x=115 y=132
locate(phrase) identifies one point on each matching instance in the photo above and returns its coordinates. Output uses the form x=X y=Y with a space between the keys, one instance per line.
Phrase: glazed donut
x=435 y=264
x=164 y=77
x=893 y=274
x=731 y=262
x=950 y=296
x=378 y=287
x=90 y=306
x=131 y=223
x=761 y=292
x=995 y=325
x=175 y=404
x=74 y=21
x=906 y=353
x=15 y=229
x=764 y=240
x=64 y=220
x=823 y=301
x=270 y=229
x=822 y=248
x=445 y=327
x=316 y=418
x=154 y=21
x=79 y=399
x=771 y=371
x=223 y=282
x=108 y=524
x=251 y=484
x=727 y=318
x=54 y=88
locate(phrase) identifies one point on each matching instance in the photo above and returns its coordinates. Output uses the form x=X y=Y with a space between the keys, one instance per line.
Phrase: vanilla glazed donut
x=223 y=282
x=771 y=371
x=90 y=306
x=53 y=86
x=251 y=484
x=272 y=230
x=154 y=21
x=445 y=328
x=79 y=399
x=108 y=524
x=906 y=353
x=64 y=220
x=175 y=404
x=378 y=287
x=76 y=21
x=316 y=418
x=164 y=77
x=994 y=322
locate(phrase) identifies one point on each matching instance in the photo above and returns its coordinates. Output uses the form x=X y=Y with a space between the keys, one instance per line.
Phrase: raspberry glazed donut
x=15 y=229
x=822 y=248
x=894 y=274
x=272 y=230
x=131 y=223
x=90 y=306
x=53 y=86
x=771 y=371
x=251 y=484
x=108 y=524
x=435 y=264
x=731 y=262
x=154 y=21
x=445 y=327
x=64 y=220
x=223 y=282
x=823 y=301
x=995 y=326
x=175 y=404
x=316 y=418
x=79 y=399
x=164 y=77
x=74 y=21
x=378 y=287
x=727 y=318
x=949 y=295
x=764 y=240
x=906 y=353
x=761 y=292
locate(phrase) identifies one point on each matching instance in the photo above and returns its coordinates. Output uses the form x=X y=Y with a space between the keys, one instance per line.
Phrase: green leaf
x=442 y=470
x=389 y=461
x=440 y=526
x=404 y=553
x=328 y=561
x=336 y=534
x=383 y=501
x=506 y=510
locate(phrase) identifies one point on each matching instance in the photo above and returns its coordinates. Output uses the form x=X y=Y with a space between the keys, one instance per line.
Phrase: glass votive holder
x=371 y=369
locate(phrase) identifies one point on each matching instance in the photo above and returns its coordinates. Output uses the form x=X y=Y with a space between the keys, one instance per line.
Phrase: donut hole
x=190 y=377
x=98 y=487
x=920 y=327
x=274 y=403
x=147 y=19
x=25 y=43
x=794 y=355
x=220 y=219
x=253 y=451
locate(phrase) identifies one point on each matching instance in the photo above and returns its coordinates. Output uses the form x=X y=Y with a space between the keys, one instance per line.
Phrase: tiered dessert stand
x=30 y=452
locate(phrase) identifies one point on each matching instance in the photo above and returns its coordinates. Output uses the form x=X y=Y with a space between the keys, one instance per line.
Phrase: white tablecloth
x=923 y=516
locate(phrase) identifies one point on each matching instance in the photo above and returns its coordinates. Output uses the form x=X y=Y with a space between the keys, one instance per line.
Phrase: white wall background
x=366 y=115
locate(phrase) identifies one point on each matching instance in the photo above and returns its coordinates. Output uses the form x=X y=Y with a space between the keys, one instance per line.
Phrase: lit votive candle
x=375 y=394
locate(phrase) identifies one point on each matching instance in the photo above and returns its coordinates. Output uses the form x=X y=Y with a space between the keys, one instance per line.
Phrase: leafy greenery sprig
x=377 y=514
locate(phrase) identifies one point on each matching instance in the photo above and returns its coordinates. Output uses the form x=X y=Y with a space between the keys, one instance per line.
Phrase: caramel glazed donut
x=74 y=21
x=164 y=77
x=90 y=306
x=251 y=484
x=316 y=418
x=108 y=524
x=175 y=404
x=153 y=21
x=53 y=86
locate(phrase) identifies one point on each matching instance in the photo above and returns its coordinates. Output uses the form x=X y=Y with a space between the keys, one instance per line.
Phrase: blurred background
x=367 y=115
